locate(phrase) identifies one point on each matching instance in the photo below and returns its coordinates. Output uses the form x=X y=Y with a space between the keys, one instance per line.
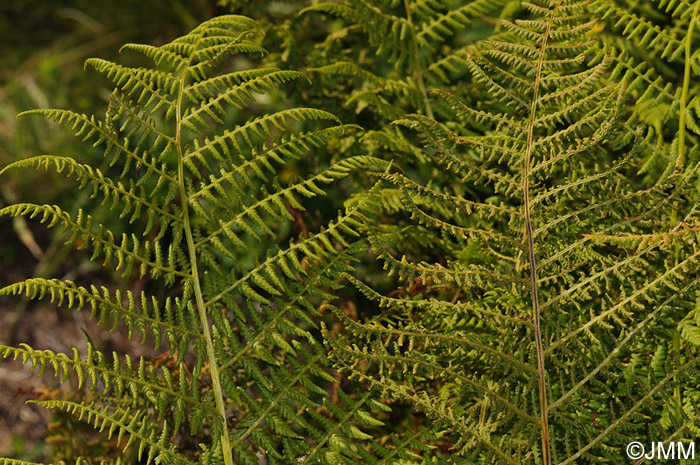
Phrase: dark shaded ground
x=23 y=426
x=43 y=326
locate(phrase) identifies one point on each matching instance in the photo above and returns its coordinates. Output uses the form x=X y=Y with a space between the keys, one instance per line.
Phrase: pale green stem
x=416 y=67
x=680 y=162
x=199 y=298
x=542 y=383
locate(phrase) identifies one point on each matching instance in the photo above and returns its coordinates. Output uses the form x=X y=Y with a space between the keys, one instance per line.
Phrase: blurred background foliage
x=41 y=65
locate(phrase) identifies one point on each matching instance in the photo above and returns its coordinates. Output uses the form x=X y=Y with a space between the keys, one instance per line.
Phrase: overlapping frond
x=538 y=302
x=644 y=52
x=417 y=40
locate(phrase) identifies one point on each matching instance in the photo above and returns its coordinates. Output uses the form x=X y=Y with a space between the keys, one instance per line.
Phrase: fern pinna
x=248 y=379
x=534 y=336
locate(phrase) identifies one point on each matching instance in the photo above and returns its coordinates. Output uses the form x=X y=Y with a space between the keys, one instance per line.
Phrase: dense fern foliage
x=515 y=282
x=658 y=64
x=397 y=52
x=540 y=317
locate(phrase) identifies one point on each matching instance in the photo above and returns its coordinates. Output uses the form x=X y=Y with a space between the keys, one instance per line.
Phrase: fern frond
x=143 y=315
x=133 y=199
x=257 y=129
x=120 y=379
x=127 y=251
x=128 y=423
x=88 y=128
x=287 y=149
x=549 y=138
x=273 y=204
x=434 y=31
x=152 y=89
x=201 y=191
x=235 y=96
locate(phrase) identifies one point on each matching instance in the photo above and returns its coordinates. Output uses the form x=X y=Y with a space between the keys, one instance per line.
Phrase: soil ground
x=43 y=326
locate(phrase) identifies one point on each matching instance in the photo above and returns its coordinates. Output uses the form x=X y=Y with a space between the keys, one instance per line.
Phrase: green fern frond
x=128 y=423
x=519 y=286
x=547 y=147
x=133 y=199
x=143 y=315
x=249 y=375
